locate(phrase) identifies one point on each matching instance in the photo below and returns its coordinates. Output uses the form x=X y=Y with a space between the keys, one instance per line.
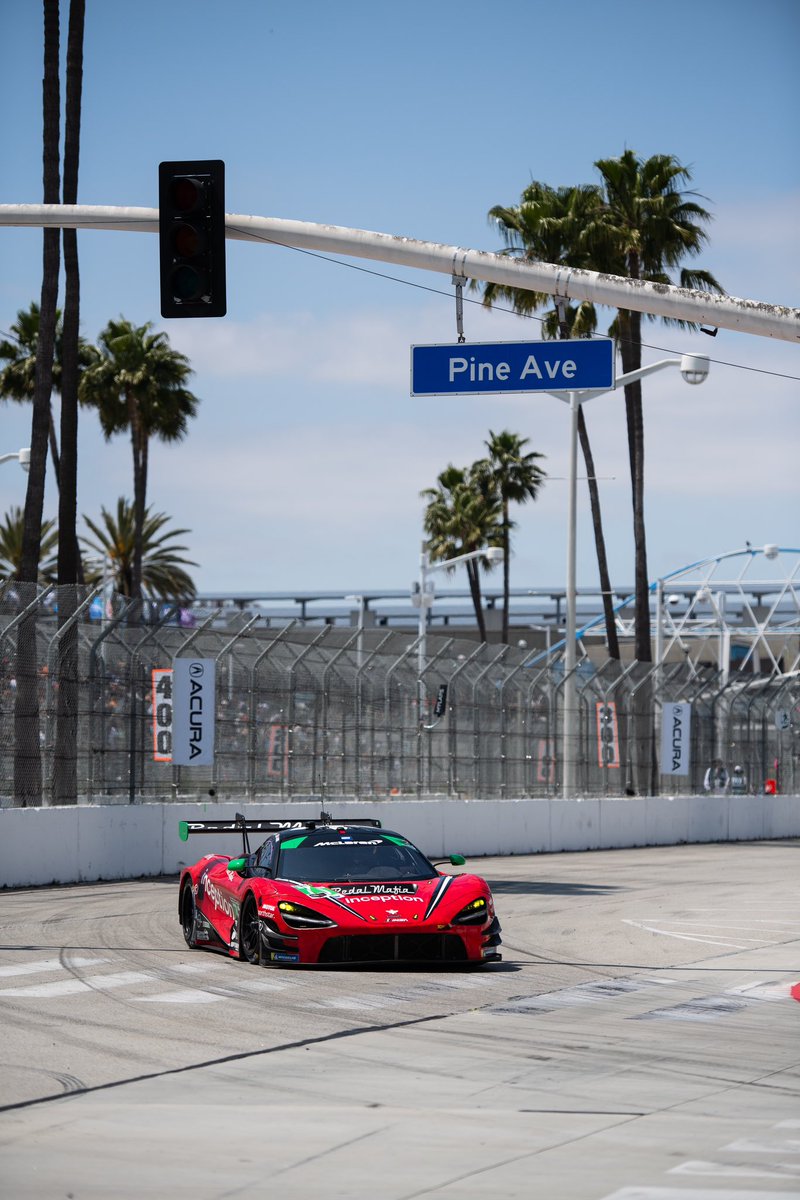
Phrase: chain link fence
x=328 y=711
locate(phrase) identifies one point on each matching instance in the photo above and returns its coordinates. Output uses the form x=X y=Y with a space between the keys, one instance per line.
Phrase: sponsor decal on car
x=221 y=901
x=280 y=956
x=348 y=890
x=342 y=842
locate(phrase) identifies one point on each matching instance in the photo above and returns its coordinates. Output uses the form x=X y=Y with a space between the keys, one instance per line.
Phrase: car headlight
x=474 y=913
x=299 y=917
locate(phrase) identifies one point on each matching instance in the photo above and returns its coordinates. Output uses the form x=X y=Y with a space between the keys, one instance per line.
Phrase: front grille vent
x=401 y=947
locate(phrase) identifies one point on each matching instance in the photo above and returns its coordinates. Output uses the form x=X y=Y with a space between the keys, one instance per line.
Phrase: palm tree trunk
x=65 y=777
x=475 y=590
x=506 y=572
x=54 y=455
x=612 y=639
x=642 y=715
x=27 y=755
x=138 y=446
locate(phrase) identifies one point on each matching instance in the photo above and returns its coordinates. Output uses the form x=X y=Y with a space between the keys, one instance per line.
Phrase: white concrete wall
x=86 y=843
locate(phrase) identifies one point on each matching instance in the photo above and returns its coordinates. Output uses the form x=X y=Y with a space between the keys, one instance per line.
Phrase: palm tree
x=544 y=227
x=137 y=385
x=462 y=516
x=637 y=224
x=516 y=478
x=27 y=754
x=547 y=225
x=65 y=776
x=646 y=226
x=163 y=577
x=11 y=533
x=18 y=377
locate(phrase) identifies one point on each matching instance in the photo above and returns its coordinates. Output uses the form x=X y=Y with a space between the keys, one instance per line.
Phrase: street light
x=694 y=368
x=362 y=608
x=422 y=593
x=23 y=457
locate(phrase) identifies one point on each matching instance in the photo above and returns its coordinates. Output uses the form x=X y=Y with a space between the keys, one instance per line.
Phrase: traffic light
x=191 y=229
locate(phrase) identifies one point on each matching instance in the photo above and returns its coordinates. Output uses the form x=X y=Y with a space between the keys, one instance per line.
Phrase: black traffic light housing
x=191 y=229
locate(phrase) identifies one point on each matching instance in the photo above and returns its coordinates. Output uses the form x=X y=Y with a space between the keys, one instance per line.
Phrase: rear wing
x=242 y=825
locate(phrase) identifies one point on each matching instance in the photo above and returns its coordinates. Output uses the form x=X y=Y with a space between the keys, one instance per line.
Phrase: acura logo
x=196 y=669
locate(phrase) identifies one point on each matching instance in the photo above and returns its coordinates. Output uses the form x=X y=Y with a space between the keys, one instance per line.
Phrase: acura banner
x=676 y=722
x=193 y=712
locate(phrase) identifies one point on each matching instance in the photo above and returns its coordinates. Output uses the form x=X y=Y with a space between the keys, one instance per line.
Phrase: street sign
x=482 y=368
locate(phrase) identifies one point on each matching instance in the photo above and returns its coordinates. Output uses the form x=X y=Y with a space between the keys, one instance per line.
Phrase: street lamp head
x=494 y=554
x=694 y=367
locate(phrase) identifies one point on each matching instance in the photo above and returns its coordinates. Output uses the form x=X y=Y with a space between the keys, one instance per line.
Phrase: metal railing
x=335 y=711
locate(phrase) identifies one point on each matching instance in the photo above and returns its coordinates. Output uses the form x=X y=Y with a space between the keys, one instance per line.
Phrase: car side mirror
x=455 y=860
x=237 y=866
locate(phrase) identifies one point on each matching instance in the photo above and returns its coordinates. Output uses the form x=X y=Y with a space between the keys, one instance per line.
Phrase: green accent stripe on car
x=292 y=843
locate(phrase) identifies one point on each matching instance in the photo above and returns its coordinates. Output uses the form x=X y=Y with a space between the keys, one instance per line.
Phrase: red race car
x=328 y=891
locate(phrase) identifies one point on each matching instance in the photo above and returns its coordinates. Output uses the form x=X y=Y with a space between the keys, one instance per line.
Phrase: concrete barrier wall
x=87 y=843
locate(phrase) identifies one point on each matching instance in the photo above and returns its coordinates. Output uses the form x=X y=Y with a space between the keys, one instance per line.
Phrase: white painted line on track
x=668 y=1193
x=684 y=937
x=350 y=1003
x=777 y=926
x=69 y=987
x=188 y=996
x=236 y=991
x=762 y=990
x=48 y=964
x=728 y=1171
x=772 y=1146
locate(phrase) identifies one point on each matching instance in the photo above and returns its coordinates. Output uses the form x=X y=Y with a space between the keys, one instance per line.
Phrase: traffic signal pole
x=613 y=291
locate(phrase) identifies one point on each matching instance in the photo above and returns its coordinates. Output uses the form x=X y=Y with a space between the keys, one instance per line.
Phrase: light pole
x=422 y=593
x=23 y=457
x=694 y=369
x=362 y=608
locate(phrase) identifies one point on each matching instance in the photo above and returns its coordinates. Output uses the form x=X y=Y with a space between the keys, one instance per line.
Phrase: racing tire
x=250 y=933
x=189 y=917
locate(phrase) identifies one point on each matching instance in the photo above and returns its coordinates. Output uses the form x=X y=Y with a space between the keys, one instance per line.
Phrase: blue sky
x=304 y=466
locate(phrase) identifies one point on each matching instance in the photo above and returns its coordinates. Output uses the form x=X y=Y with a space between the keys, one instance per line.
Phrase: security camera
x=494 y=554
x=694 y=367
x=771 y=550
x=673 y=599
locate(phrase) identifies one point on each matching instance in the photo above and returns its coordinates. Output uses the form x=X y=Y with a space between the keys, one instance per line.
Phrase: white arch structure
x=749 y=598
x=703 y=308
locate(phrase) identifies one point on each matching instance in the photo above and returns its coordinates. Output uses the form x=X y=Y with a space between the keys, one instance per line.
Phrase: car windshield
x=329 y=857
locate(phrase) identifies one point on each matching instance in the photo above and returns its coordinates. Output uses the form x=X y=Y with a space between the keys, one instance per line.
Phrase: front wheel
x=250 y=932
x=189 y=917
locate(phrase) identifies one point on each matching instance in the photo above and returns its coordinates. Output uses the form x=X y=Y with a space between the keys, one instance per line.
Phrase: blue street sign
x=480 y=368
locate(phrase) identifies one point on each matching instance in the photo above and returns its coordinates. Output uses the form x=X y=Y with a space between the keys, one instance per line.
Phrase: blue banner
x=483 y=368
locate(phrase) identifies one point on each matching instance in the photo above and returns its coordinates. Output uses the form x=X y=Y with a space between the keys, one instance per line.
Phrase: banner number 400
x=162 y=714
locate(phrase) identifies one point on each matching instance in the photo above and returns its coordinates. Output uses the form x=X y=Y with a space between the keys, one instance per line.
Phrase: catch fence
x=331 y=711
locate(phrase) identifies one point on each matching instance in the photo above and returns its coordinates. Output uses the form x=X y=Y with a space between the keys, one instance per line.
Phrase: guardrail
x=82 y=844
